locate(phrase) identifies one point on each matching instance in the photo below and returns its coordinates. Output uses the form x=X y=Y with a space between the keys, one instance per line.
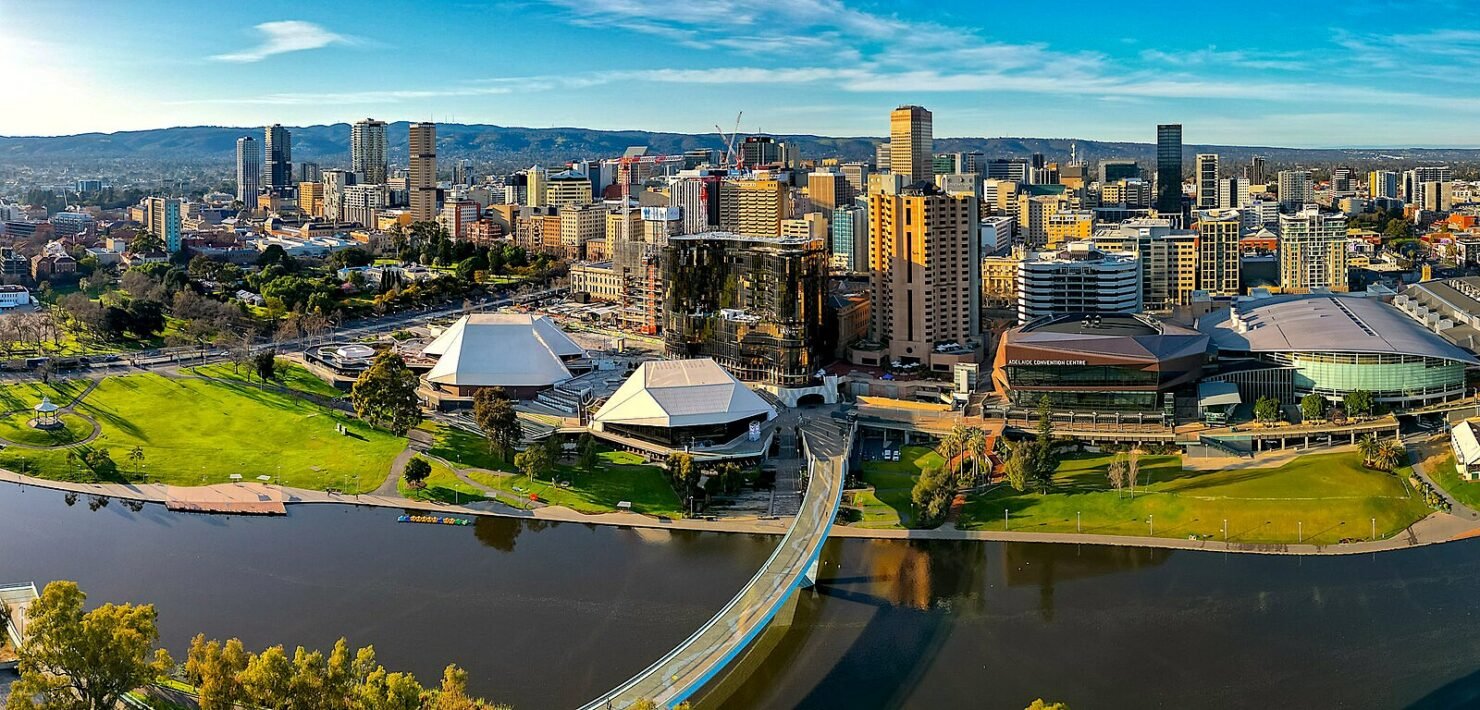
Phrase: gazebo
x=46 y=414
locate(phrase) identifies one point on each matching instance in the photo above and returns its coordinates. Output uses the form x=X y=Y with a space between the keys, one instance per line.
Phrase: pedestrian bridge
x=681 y=673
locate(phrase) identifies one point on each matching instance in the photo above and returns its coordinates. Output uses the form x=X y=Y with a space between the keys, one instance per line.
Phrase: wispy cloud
x=285 y=36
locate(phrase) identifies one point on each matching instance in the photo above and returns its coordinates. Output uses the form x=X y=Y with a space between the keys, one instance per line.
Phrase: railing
x=693 y=663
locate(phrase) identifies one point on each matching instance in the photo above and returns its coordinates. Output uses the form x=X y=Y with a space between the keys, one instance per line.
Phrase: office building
x=1233 y=192
x=537 y=179
x=754 y=304
x=311 y=198
x=1169 y=169
x=762 y=151
x=1009 y=169
x=277 y=147
x=1207 y=181
x=1256 y=172
x=753 y=206
x=698 y=197
x=1077 y=280
x=1113 y=170
x=1218 y=253
x=335 y=184
x=910 y=142
x=1167 y=255
x=308 y=172
x=882 y=153
x=362 y=203
x=1413 y=181
x=248 y=171
x=828 y=190
x=457 y=215
x=857 y=176
x=567 y=187
x=850 y=239
x=367 y=151
x=924 y=263
x=1295 y=190
x=1067 y=226
x=422 y=184
x=1132 y=193
x=1383 y=183
x=1313 y=251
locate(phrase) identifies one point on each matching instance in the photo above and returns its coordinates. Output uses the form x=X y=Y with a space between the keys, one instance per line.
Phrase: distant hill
x=505 y=148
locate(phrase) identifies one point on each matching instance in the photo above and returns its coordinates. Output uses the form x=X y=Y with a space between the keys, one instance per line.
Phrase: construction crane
x=730 y=157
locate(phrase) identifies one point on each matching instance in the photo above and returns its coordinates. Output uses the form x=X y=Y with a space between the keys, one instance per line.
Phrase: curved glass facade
x=1390 y=377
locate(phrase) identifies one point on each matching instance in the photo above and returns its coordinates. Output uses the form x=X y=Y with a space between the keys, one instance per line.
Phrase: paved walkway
x=1429 y=451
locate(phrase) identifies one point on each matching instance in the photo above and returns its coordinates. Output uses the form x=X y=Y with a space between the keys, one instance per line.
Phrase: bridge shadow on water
x=1459 y=693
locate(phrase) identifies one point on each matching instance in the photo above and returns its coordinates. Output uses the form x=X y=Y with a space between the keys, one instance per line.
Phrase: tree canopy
x=385 y=395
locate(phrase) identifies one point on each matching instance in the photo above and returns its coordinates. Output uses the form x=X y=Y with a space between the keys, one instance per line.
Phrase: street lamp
x=1151 y=521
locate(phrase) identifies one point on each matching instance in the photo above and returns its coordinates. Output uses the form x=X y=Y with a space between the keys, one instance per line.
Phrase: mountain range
x=501 y=148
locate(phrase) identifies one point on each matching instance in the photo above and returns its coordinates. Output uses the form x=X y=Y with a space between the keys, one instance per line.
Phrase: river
x=545 y=616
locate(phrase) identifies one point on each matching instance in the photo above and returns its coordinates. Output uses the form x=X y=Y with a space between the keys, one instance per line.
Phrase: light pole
x=1225 y=530
x=1077 y=527
x=1374 y=528
x=1151 y=521
x=1004 y=519
x=1300 y=531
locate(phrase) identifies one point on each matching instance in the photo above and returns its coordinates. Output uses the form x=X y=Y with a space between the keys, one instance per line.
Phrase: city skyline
x=1287 y=76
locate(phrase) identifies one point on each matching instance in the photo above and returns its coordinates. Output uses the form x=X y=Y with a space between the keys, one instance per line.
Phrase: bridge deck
x=686 y=669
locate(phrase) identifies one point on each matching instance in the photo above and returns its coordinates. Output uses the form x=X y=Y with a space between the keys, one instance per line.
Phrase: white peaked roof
x=501 y=350
x=679 y=393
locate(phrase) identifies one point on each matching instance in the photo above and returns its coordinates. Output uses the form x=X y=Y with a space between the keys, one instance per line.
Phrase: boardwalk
x=678 y=675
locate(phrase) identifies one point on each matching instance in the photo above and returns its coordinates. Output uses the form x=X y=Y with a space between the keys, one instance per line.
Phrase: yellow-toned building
x=390 y=219
x=1069 y=226
x=753 y=207
x=999 y=279
x=579 y=226
x=808 y=226
x=311 y=198
x=1033 y=214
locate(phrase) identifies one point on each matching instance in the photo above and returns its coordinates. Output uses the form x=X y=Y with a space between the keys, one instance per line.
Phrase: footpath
x=1437 y=528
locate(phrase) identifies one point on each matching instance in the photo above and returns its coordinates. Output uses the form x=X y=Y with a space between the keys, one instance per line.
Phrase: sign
x=755 y=431
x=1079 y=363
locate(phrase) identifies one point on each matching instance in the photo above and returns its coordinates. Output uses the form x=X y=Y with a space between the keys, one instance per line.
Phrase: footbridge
x=681 y=673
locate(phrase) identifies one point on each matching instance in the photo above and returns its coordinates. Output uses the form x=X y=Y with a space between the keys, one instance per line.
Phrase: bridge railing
x=693 y=663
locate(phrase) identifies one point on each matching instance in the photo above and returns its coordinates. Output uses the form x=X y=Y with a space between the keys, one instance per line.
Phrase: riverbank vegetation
x=93 y=659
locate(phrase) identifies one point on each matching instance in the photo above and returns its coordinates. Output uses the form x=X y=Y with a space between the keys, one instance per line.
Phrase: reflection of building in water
x=901 y=573
x=1045 y=565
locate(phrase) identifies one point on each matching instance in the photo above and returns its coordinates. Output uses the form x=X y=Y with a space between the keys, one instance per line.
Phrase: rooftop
x=674 y=393
x=501 y=350
x=1324 y=323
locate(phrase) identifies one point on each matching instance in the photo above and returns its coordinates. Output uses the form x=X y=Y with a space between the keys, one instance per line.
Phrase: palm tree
x=977 y=444
x=1388 y=454
x=1367 y=446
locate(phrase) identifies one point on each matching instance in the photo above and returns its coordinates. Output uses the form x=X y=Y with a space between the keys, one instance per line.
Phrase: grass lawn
x=462 y=447
x=622 y=476
x=194 y=430
x=1332 y=495
x=1442 y=470
x=285 y=374
x=23 y=396
x=442 y=485
x=888 y=505
x=16 y=427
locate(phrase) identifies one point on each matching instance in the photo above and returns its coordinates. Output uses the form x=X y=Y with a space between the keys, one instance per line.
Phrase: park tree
x=85 y=660
x=385 y=395
x=587 y=458
x=931 y=496
x=215 y=670
x=494 y=413
x=1388 y=455
x=1116 y=472
x=417 y=471
x=1041 y=704
x=136 y=457
x=1312 y=407
x=452 y=694
x=534 y=462
x=1266 y=410
x=1045 y=458
x=265 y=364
x=1022 y=466
x=1359 y=403
x=1367 y=446
x=554 y=446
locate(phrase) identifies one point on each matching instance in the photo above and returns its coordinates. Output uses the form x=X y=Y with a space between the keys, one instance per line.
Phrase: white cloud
x=285 y=36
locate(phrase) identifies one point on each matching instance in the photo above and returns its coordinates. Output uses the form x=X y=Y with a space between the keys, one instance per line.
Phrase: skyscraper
x=248 y=171
x=277 y=145
x=1218 y=255
x=1312 y=251
x=1255 y=171
x=924 y=260
x=1382 y=183
x=423 y=185
x=1207 y=181
x=1169 y=169
x=910 y=144
x=828 y=190
x=367 y=151
x=1295 y=190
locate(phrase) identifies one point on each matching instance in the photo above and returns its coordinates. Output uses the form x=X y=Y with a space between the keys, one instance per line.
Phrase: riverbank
x=1434 y=529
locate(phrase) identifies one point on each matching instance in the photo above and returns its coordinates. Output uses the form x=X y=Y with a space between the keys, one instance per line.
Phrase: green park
x=1319 y=498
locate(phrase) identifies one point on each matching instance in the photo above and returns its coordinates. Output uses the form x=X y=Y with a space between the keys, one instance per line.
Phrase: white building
x=1078 y=279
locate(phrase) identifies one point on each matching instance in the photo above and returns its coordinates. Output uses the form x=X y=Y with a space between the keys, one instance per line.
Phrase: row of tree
x=75 y=659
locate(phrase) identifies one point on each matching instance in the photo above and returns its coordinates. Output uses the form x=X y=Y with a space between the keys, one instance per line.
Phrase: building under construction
x=754 y=304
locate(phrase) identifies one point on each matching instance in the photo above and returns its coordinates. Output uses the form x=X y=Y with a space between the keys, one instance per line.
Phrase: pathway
x=1421 y=455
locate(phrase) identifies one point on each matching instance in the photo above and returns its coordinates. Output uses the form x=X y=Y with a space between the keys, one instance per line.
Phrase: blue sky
x=1360 y=73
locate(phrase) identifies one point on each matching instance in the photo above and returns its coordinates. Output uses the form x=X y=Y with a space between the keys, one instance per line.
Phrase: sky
x=1354 y=73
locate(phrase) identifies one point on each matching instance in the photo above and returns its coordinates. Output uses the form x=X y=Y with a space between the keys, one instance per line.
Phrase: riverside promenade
x=1437 y=528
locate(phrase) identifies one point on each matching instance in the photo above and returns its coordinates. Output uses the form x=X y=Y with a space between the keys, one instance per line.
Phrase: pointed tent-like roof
x=678 y=393
x=501 y=350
